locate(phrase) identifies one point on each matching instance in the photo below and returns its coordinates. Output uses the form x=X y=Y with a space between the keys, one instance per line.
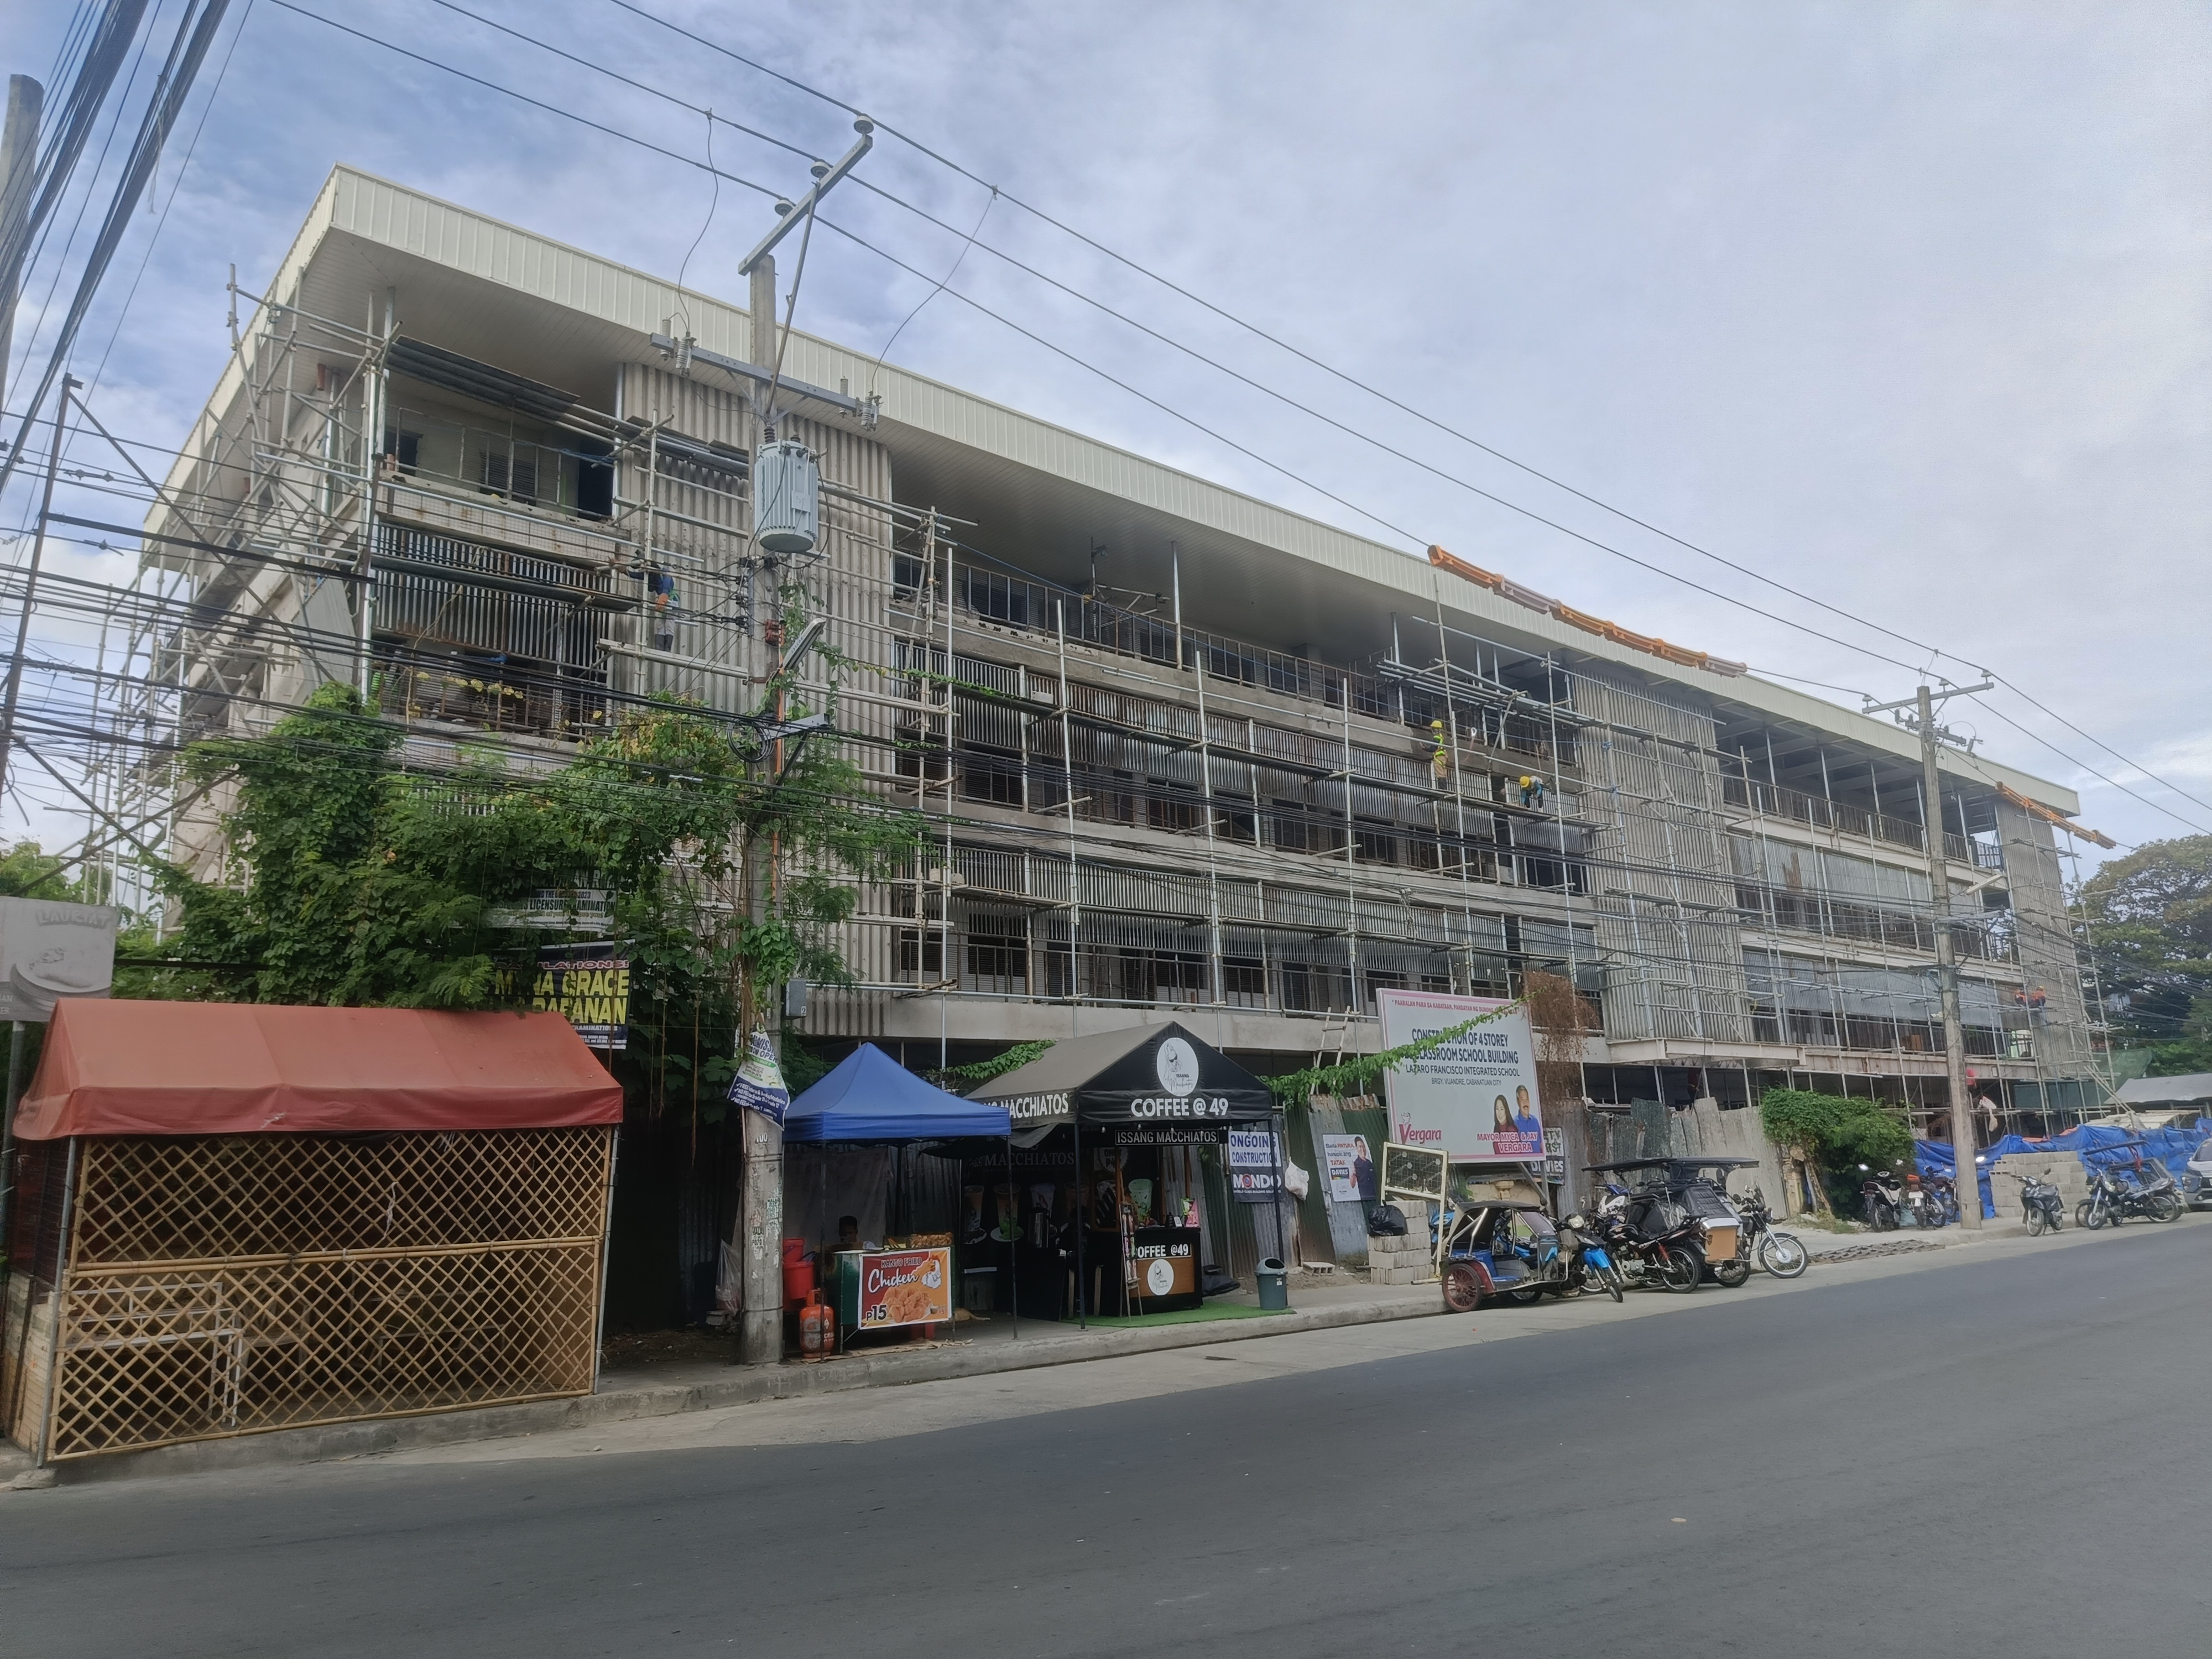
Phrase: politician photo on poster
x=1474 y=1098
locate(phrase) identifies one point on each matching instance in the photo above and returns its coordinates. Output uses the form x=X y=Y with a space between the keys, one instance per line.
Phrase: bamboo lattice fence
x=222 y=1284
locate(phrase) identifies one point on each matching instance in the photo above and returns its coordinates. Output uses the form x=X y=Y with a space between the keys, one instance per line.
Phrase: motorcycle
x=1778 y=1253
x=1942 y=1201
x=1671 y=1256
x=1881 y=1199
x=2040 y=1205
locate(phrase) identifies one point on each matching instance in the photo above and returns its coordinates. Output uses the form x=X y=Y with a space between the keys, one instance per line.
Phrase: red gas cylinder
x=811 y=1320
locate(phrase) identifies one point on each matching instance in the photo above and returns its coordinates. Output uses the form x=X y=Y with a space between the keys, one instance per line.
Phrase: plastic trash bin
x=1274 y=1284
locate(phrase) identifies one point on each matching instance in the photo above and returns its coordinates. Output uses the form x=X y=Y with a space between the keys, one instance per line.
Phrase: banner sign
x=905 y=1287
x=1254 y=1165
x=1473 y=1099
x=592 y=994
x=1351 y=1169
x=758 y=1086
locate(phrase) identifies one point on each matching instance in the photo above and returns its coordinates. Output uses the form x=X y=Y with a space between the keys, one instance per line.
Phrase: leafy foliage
x=1836 y=1128
x=26 y=872
x=1356 y=1076
x=2149 y=921
x=982 y=1071
x=367 y=883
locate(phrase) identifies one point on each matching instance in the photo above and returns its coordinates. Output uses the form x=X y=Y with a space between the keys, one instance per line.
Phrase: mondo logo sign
x=1177 y=1064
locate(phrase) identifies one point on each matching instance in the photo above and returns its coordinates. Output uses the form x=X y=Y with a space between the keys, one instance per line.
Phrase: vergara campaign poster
x=1474 y=1098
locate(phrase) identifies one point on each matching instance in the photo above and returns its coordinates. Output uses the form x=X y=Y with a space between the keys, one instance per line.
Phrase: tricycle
x=1512 y=1252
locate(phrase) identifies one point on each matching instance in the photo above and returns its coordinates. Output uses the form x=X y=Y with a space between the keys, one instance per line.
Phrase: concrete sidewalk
x=675 y=1390
x=978 y=1349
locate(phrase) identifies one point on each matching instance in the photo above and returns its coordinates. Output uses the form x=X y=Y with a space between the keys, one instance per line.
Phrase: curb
x=731 y=1386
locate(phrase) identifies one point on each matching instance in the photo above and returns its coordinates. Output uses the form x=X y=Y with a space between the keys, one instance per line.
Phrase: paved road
x=2003 y=1454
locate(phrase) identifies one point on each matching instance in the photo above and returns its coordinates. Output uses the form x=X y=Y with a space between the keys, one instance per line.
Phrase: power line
x=998 y=191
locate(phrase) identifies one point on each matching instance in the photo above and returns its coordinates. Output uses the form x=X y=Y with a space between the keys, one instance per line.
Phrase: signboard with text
x=905 y=1287
x=1255 y=1165
x=1474 y=1098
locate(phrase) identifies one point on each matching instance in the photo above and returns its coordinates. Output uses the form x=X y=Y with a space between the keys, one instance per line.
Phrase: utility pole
x=760 y=1196
x=18 y=168
x=1966 y=1178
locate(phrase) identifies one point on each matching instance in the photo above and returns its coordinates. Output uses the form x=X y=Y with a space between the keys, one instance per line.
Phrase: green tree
x=359 y=881
x=27 y=871
x=2149 y=922
x=1836 y=1133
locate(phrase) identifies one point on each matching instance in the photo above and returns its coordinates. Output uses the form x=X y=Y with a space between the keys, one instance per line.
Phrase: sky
x=1906 y=306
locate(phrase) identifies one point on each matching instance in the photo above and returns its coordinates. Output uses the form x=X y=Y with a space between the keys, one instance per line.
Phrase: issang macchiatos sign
x=1160 y=1076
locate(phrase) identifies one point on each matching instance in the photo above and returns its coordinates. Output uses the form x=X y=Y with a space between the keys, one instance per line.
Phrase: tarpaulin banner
x=758 y=1086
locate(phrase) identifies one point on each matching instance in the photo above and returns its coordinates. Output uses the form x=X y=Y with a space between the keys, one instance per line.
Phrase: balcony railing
x=1819 y=813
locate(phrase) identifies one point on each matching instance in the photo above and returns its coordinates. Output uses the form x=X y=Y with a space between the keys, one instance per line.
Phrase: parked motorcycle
x=1578 y=1239
x=1778 y=1253
x=1942 y=1201
x=1670 y=1256
x=2040 y=1205
x=2114 y=1196
x=1881 y=1199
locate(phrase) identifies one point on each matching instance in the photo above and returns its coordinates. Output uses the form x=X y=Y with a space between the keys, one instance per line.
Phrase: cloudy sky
x=1904 y=306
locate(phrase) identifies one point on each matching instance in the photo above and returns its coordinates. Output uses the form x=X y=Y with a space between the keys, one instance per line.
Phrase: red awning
x=218 y=1068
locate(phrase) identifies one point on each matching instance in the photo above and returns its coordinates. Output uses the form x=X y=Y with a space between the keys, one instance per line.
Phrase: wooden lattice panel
x=218 y=1197
x=281 y=1281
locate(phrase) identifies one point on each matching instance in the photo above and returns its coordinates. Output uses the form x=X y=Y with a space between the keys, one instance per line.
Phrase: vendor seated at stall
x=848 y=1233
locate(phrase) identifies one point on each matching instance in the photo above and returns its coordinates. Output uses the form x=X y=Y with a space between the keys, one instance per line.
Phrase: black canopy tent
x=1150 y=1084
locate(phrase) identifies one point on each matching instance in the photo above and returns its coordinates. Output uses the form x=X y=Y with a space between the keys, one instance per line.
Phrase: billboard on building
x=1474 y=1098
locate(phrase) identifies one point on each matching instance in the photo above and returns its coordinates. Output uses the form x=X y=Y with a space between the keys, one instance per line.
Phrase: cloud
x=1906 y=306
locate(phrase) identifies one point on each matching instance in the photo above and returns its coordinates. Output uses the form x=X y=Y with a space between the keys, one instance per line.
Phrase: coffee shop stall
x=1127 y=1147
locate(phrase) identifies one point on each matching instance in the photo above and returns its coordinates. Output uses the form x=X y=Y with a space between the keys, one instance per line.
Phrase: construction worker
x=1439 y=762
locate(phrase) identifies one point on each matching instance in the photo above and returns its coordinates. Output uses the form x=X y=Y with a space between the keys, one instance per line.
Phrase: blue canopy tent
x=870 y=1099
x=870 y=1096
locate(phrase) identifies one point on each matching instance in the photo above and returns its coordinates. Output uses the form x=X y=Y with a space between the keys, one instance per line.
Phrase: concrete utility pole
x=1947 y=968
x=760 y=1196
x=19 y=166
x=760 y=1193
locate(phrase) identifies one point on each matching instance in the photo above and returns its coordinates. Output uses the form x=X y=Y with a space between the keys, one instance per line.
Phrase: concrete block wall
x=2062 y=1169
x=1405 y=1260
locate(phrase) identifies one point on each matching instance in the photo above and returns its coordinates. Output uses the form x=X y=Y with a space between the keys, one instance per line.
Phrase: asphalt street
x=2006 y=1454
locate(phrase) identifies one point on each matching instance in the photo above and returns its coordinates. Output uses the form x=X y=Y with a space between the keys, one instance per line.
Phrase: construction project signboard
x=1474 y=1098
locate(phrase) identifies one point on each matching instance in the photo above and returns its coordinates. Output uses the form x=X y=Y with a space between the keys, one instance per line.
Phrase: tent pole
x=1014 y=1199
x=1082 y=1284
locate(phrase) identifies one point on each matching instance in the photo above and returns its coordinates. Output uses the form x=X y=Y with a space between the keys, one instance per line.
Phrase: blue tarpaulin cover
x=871 y=1097
x=2097 y=1146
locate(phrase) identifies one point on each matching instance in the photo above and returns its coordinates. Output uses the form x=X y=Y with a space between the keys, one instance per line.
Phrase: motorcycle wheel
x=1612 y=1280
x=1681 y=1271
x=2166 y=1206
x=2088 y=1215
x=1522 y=1298
x=1781 y=1255
x=1729 y=1275
x=2034 y=1220
x=1463 y=1288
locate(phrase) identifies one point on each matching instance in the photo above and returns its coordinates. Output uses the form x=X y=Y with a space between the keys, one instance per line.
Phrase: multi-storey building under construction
x=1183 y=754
